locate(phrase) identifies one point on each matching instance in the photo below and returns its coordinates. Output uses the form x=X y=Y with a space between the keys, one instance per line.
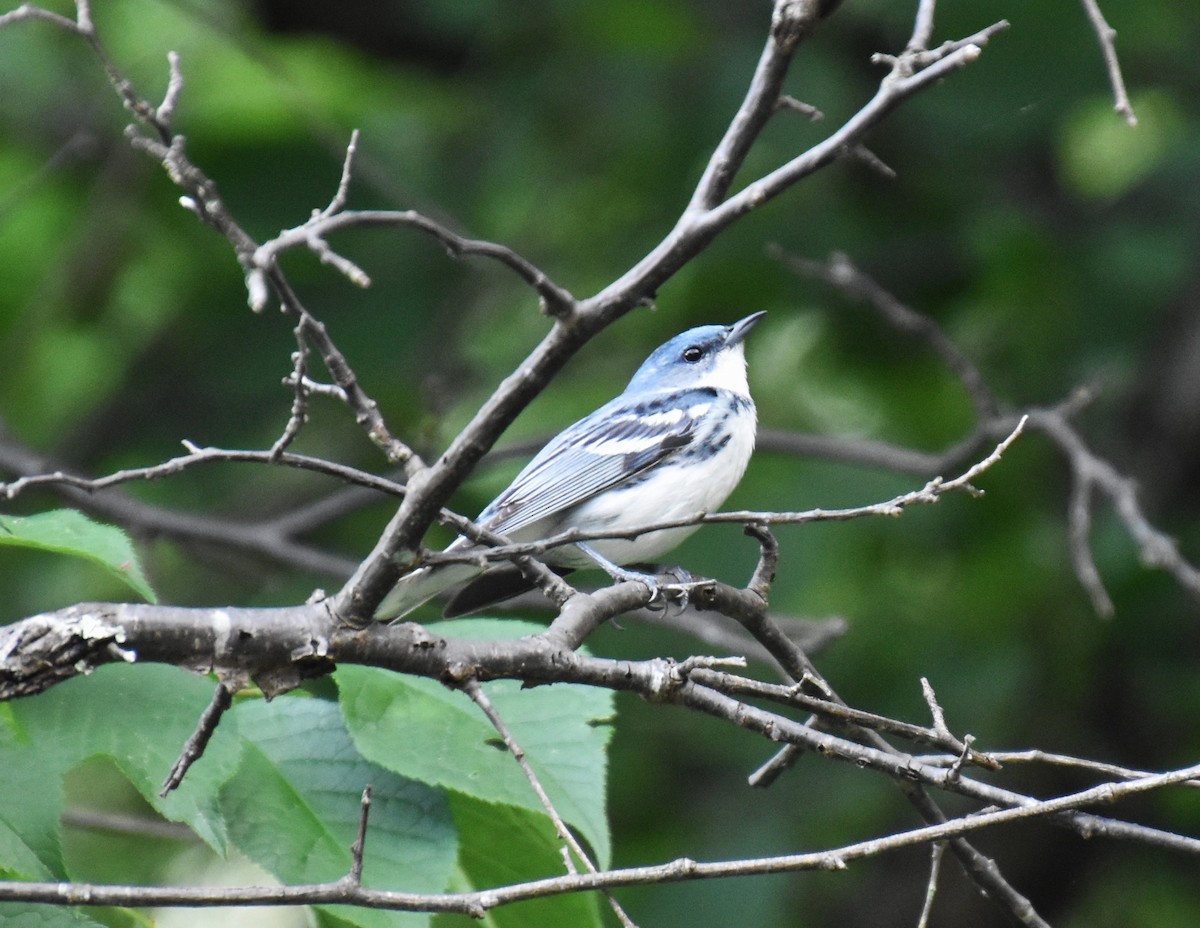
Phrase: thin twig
x=166 y=110
x=1036 y=756
x=198 y=456
x=922 y=33
x=1107 y=37
x=193 y=750
x=29 y=11
x=840 y=272
x=935 y=708
x=807 y=110
x=749 y=610
x=298 y=381
x=839 y=714
x=477 y=903
x=202 y=198
x=342 y=194
x=936 y=852
x=1155 y=547
x=358 y=848
x=311 y=235
x=930 y=493
x=471 y=687
x=1091 y=474
x=38 y=652
x=1079 y=526
x=142 y=826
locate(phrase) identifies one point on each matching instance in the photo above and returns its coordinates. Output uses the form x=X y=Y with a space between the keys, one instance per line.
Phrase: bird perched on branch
x=673 y=445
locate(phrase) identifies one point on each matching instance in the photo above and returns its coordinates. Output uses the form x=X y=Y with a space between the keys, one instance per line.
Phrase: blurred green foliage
x=1056 y=245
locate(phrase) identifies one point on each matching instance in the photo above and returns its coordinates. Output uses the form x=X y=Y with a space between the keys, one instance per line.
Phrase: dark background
x=1054 y=244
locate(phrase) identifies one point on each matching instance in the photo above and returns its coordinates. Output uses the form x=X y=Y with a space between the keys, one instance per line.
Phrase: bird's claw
x=681 y=593
x=663 y=596
x=649 y=581
x=678 y=593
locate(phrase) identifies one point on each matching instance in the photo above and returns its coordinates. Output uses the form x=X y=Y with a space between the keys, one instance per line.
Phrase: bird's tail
x=420 y=586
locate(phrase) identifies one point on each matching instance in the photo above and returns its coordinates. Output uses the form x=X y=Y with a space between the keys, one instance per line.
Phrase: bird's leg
x=677 y=592
x=620 y=574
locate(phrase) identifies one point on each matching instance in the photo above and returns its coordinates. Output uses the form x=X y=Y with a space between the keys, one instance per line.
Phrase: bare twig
x=342 y=194
x=1094 y=475
x=1060 y=760
x=930 y=493
x=310 y=639
x=299 y=382
x=311 y=235
x=807 y=110
x=166 y=110
x=838 y=713
x=936 y=852
x=840 y=272
x=791 y=23
x=198 y=456
x=749 y=610
x=922 y=32
x=365 y=409
x=193 y=750
x=935 y=708
x=358 y=848
x=1079 y=527
x=272 y=539
x=202 y=198
x=478 y=903
x=1091 y=474
x=125 y=823
x=471 y=687
x=1107 y=37
x=331 y=390
x=29 y=11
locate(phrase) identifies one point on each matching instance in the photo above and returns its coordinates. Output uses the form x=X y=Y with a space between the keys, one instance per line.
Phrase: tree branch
x=1091 y=474
x=1107 y=37
x=478 y=903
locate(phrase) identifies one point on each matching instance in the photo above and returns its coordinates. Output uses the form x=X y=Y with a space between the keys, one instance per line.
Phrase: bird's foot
x=678 y=593
x=663 y=595
x=621 y=575
x=657 y=596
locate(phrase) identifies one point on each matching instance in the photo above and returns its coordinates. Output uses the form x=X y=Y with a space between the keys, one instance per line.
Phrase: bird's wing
x=608 y=447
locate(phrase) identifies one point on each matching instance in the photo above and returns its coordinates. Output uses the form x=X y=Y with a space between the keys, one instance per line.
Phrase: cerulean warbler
x=673 y=445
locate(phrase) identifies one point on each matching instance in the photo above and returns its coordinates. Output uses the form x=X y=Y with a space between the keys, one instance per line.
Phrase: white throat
x=728 y=372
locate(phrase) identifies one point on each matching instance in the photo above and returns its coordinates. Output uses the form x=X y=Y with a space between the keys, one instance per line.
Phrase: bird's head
x=706 y=356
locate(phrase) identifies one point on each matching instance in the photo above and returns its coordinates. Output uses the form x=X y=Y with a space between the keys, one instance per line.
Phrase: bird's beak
x=739 y=330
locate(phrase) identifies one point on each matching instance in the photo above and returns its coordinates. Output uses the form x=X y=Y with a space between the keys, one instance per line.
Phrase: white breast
x=676 y=491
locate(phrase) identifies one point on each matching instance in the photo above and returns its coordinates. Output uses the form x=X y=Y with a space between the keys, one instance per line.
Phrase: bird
x=672 y=445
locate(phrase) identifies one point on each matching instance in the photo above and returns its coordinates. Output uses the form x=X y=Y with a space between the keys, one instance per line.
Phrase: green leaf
x=65 y=531
x=18 y=860
x=140 y=717
x=422 y=730
x=294 y=808
x=27 y=915
x=501 y=845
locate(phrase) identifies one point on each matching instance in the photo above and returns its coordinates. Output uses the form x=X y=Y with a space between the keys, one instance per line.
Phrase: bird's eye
x=693 y=354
